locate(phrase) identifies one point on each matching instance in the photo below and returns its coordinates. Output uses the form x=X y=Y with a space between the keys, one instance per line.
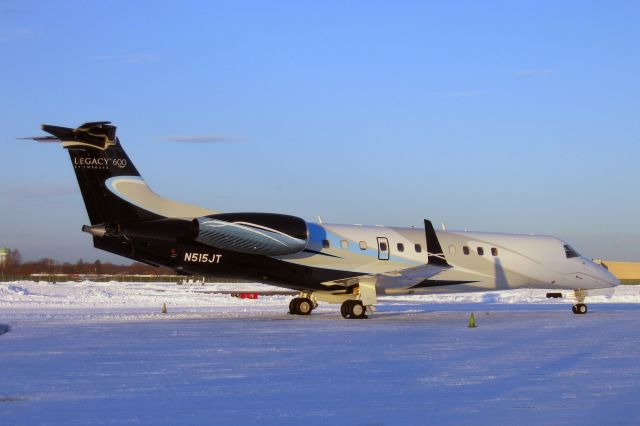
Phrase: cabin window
x=418 y=248
x=325 y=244
x=344 y=244
x=480 y=251
x=570 y=251
x=383 y=246
x=465 y=250
x=494 y=251
x=452 y=249
x=363 y=245
x=400 y=247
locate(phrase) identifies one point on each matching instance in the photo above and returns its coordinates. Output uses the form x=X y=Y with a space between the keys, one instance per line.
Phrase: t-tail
x=112 y=189
x=97 y=157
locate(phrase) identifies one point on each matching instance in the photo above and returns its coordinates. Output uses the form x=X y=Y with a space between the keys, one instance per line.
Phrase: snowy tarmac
x=102 y=353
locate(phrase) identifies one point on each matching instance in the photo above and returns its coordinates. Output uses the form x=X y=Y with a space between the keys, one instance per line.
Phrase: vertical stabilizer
x=97 y=156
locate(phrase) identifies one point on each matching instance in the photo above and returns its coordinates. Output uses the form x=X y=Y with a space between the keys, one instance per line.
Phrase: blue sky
x=496 y=116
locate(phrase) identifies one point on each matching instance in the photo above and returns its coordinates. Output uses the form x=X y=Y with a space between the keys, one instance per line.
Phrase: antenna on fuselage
x=319 y=220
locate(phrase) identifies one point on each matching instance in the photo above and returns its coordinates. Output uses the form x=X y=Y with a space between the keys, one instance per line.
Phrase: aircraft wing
x=406 y=278
x=436 y=263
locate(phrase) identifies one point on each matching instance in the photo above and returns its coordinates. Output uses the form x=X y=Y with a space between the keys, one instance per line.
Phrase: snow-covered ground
x=103 y=353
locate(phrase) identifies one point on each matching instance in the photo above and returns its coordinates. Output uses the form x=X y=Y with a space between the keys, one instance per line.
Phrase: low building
x=625 y=271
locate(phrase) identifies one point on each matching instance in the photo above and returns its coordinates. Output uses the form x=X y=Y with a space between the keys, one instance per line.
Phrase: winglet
x=434 y=250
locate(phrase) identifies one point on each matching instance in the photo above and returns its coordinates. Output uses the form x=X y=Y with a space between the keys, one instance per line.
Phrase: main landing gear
x=350 y=309
x=353 y=309
x=355 y=304
x=579 y=308
x=301 y=306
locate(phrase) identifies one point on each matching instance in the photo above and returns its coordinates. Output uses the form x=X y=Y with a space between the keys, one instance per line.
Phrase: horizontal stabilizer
x=96 y=134
x=41 y=139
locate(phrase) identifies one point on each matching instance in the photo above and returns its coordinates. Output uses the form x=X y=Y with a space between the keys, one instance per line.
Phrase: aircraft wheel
x=304 y=306
x=353 y=309
x=579 y=309
x=358 y=310
x=293 y=306
x=345 y=308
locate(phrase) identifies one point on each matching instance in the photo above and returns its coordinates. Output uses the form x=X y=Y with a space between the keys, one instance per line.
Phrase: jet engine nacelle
x=253 y=233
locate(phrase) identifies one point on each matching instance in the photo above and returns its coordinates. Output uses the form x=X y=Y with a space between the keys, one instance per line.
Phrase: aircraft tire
x=353 y=309
x=345 y=309
x=293 y=306
x=579 y=309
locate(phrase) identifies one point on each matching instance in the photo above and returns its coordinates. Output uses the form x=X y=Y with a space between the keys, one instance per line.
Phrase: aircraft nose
x=614 y=280
x=606 y=276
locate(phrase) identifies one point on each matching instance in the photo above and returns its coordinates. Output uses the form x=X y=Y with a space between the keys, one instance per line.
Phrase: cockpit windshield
x=570 y=251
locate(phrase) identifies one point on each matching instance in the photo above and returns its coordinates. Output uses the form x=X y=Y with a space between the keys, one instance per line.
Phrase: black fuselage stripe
x=440 y=283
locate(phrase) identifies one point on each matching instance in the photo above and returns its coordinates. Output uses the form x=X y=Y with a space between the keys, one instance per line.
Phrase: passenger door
x=383 y=248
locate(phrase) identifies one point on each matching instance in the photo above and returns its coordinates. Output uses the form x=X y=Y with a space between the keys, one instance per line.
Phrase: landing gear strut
x=353 y=309
x=301 y=306
x=579 y=308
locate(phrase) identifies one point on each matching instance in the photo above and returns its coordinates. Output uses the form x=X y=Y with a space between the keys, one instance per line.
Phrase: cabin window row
x=344 y=244
x=480 y=250
x=416 y=247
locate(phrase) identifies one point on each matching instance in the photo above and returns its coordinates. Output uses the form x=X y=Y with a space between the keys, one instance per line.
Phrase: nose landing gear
x=579 y=308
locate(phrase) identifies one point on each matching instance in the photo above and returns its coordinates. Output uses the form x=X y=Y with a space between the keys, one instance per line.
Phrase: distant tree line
x=14 y=265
